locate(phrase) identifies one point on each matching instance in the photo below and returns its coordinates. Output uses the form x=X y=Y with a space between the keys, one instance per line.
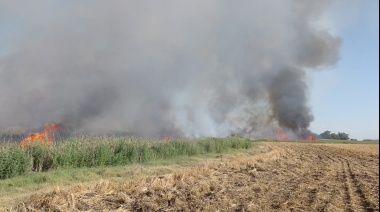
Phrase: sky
x=343 y=97
x=346 y=98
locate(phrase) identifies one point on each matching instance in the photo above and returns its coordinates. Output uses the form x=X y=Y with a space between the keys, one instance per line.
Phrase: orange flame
x=310 y=138
x=280 y=135
x=45 y=137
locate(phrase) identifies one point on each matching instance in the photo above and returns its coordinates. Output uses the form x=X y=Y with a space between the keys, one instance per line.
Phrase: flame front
x=44 y=137
x=311 y=138
x=280 y=135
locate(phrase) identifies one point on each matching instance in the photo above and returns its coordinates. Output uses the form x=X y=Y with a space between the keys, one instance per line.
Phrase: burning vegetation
x=44 y=137
x=280 y=135
x=302 y=135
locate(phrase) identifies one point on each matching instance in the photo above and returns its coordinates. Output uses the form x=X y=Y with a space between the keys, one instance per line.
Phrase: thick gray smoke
x=153 y=68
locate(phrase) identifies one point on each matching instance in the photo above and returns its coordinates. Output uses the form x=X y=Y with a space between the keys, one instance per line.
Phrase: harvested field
x=290 y=177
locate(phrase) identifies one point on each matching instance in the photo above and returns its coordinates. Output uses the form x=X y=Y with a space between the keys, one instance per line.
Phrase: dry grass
x=291 y=177
x=365 y=148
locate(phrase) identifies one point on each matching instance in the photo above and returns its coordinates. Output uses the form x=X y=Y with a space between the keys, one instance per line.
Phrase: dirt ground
x=290 y=177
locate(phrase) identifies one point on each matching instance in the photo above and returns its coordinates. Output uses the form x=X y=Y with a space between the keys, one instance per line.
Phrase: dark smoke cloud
x=288 y=100
x=153 y=68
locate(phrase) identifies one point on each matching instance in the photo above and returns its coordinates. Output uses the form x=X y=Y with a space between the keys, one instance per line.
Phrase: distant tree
x=325 y=135
x=343 y=136
x=334 y=136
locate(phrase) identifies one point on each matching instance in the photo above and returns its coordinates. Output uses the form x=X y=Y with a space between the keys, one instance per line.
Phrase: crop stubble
x=290 y=177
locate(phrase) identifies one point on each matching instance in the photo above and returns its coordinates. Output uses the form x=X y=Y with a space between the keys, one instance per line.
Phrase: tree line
x=335 y=136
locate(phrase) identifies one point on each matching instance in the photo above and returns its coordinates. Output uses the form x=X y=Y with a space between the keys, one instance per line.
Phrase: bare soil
x=290 y=177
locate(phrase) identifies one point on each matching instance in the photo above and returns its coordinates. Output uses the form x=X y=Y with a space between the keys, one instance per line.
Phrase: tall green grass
x=13 y=162
x=98 y=151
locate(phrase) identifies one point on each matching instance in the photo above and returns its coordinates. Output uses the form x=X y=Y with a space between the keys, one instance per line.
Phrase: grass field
x=272 y=176
x=87 y=159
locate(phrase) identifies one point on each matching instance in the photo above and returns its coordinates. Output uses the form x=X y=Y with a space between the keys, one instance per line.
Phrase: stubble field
x=288 y=177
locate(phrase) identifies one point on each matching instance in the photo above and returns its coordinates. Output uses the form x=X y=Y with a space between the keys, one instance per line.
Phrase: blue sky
x=346 y=98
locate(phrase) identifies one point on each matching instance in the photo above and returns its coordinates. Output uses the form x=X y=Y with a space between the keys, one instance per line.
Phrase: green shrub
x=41 y=155
x=13 y=162
x=124 y=153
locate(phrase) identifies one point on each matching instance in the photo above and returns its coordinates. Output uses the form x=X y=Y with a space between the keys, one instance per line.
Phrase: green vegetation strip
x=99 y=152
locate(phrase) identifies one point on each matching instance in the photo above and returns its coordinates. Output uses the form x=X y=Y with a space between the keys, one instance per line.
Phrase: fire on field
x=44 y=137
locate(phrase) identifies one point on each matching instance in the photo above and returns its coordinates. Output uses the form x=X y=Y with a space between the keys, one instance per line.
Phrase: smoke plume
x=153 y=68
